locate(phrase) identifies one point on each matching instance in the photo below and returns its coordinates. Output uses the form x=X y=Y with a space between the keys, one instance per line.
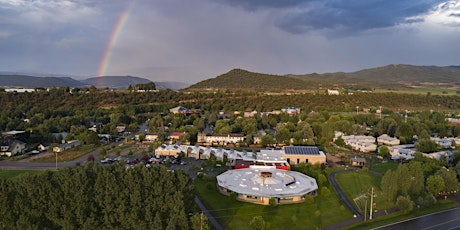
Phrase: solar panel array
x=302 y=150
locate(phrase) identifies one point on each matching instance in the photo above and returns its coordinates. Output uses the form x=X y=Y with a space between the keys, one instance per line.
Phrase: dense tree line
x=418 y=182
x=95 y=197
x=74 y=110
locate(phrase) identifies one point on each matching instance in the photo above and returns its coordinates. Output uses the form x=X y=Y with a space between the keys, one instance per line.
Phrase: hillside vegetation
x=386 y=77
x=245 y=80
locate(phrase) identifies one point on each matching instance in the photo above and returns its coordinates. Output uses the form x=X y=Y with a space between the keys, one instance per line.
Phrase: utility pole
x=201 y=220
x=56 y=160
x=372 y=203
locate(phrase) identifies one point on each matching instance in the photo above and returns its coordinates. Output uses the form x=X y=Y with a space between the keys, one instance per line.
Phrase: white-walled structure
x=258 y=184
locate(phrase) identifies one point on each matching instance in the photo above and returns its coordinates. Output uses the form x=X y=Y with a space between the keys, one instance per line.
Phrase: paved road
x=444 y=220
x=206 y=212
x=341 y=195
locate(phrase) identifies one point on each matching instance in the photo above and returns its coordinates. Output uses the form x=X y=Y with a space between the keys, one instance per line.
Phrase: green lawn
x=384 y=167
x=358 y=184
x=6 y=174
x=232 y=214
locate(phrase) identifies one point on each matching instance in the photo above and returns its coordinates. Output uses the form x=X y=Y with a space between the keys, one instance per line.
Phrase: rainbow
x=113 y=39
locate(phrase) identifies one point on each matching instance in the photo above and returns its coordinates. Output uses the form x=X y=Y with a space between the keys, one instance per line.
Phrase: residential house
x=358 y=142
x=402 y=152
x=180 y=110
x=12 y=148
x=68 y=145
x=444 y=142
x=358 y=161
x=384 y=139
x=250 y=114
x=332 y=92
x=221 y=139
x=291 y=110
x=43 y=147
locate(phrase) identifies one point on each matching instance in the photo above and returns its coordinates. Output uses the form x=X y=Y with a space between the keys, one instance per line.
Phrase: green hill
x=245 y=80
x=385 y=77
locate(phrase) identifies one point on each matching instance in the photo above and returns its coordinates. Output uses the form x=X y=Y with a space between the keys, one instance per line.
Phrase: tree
x=435 y=184
x=389 y=185
x=426 y=146
x=384 y=152
x=405 y=204
x=199 y=221
x=267 y=140
x=257 y=223
x=450 y=179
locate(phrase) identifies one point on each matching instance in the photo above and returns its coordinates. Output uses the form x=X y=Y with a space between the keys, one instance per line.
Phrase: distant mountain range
x=112 y=82
x=385 y=77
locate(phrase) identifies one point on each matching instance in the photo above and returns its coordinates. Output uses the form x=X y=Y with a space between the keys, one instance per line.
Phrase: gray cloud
x=339 y=16
x=261 y=4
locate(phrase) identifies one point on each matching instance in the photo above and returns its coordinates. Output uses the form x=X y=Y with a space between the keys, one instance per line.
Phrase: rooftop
x=302 y=150
x=267 y=181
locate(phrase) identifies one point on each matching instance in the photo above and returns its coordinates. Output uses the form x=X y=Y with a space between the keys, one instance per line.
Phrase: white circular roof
x=281 y=183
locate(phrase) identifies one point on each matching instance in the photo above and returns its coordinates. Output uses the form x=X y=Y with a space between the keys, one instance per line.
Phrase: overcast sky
x=189 y=41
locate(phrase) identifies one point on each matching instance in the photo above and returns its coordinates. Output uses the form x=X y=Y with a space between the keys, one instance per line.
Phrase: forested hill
x=245 y=80
x=115 y=82
x=385 y=77
x=24 y=81
x=30 y=81
x=393 y=75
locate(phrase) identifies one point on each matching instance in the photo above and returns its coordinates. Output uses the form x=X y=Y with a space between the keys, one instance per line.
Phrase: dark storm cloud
x=340 y=16
x=260 y=4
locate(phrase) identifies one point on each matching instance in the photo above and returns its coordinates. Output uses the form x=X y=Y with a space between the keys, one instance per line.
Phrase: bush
x=405 y=204
x=325 y=191
x=273 y=202
x=209 y=186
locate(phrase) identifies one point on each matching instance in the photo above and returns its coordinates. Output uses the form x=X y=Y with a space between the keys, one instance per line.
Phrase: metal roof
x=301 y=150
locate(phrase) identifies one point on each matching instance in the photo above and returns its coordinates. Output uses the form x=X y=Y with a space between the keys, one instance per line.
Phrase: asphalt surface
x=444 y=220
x=211 y=219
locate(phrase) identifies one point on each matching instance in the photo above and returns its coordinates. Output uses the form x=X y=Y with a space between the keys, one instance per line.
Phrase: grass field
x=383 y=167
x=68 y=155
x=357 y=186
x=232 y=214
x=422 y=90
x=7 y=174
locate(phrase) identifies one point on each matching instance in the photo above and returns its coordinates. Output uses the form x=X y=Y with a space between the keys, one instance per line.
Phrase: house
x=13 y=148
x=358 y=161
x=250 y=114
x=221 y=139
x=68 y=145
x=384 y=139
x=121 y=128
x=151 y=137
x=444 y=142
x=402 y=152
x=291 y=110
x=332 y=92
x=43 y=147
x=358 y=142
x=180 y=110
x=448 y=156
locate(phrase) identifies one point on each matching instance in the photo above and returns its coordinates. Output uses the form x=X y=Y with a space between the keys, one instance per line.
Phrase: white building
x=358 y=142
x=384 y=139
x=332 y=92
x=259 y=184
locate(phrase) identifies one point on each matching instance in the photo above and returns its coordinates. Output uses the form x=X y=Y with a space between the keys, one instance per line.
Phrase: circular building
x=259 y=184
